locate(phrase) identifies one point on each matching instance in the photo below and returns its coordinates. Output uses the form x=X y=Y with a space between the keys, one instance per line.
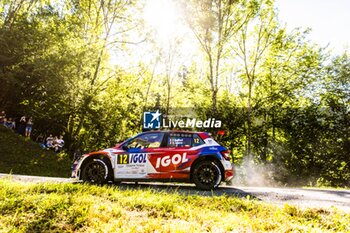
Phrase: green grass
x=19 y=155
x=28 y=207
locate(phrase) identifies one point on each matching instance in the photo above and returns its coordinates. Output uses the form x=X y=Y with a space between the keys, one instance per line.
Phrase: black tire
x=206 y=175
x=117 y=182
x=95 y=171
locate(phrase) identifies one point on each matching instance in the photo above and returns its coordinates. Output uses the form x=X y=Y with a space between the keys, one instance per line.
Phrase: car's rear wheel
x=206 y=175
x=95 y=171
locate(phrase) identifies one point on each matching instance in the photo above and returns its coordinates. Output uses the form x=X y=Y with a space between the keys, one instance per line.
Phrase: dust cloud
x=249 y=173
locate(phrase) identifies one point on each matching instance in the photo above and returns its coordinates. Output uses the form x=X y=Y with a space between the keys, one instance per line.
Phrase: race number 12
x=123 y=159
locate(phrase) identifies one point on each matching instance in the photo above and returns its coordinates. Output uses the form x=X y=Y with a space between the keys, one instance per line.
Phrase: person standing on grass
x=29 y=127
x=22 y=126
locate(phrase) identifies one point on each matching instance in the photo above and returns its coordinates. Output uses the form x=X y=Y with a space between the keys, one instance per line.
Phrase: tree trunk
x=214 y=101
x=249 y=120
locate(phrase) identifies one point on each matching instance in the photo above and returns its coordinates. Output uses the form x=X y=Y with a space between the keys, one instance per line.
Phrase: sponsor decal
x=175 y=159
x=154 y=120
x=132 y=158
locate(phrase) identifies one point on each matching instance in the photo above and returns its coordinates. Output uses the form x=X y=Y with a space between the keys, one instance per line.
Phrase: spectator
x=40 y=140
x=2 y=117
x=10 y=124
x=29 y=127
x=60 y=144
x=54 y=143
x=77 y=154
x=49 y=142
x=4 y=122
x=21 y=126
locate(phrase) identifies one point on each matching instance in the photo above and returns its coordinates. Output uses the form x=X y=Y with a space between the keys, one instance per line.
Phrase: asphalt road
x=304 y=198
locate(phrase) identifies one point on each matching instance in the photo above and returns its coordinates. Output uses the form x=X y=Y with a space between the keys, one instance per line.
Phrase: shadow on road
x=187 y=189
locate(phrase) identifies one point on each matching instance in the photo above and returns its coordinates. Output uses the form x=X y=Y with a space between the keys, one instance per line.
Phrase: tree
x=103 y=24
x=32 y=45
x=214 y=22
x=252 y=43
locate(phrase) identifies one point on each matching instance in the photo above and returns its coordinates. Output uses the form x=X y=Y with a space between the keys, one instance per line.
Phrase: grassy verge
x=19 y=155
x=27 y=207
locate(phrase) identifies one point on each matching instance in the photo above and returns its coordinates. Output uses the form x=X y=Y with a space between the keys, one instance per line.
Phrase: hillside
x=19 y=155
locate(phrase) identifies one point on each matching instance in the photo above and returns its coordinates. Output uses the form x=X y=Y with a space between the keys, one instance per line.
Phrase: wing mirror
x=125 y=147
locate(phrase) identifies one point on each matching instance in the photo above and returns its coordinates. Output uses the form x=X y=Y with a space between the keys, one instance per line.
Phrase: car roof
x=205 y=134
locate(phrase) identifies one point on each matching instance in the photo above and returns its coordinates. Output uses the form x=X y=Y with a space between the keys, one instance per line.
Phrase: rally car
x=178 y=156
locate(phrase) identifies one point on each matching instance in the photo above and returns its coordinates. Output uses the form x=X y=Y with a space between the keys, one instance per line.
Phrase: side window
x=180 y=140
x=197 y=141
x=148 y=140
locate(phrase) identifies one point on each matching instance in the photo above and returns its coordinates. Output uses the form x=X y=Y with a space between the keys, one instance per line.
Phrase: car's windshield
x=148 y=140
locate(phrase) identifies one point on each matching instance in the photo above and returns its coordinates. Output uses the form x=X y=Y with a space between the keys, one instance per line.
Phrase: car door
x=136 y=161
x=177 y=157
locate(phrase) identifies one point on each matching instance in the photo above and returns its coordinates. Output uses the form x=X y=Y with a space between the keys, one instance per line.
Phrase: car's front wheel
x=95 y=171
x=206 y=175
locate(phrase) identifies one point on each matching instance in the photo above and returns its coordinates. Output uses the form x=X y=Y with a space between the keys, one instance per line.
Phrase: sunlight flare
x=164 y=16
